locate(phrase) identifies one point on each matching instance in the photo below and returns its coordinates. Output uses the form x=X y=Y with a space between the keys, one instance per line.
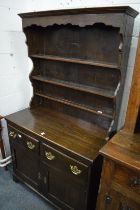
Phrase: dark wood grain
x=72 y=85
x=121 y=173
x=79 y=65
x=62 y=130
x=127 y=147
x=104 y=79
x=76 y=105
x=73 y=60
x=97 y=10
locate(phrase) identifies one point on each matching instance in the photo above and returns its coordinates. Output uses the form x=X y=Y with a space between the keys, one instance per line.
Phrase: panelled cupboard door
x=61 y=189
x=25 y=158
x=108 y=201
x=116 y=201
x=26 y=166
x=129 y=205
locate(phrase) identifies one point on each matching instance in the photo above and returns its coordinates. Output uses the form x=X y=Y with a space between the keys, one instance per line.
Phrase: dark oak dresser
x=120 y=182
x=79 y=65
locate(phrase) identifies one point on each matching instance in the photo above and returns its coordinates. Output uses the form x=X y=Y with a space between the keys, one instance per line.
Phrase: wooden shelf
x=70 y=103
x=75 y=86
x=79 y=61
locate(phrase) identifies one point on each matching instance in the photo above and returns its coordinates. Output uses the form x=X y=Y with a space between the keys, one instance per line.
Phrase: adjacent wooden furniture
x=133 y=111
x=120 y=182
x=80 y=60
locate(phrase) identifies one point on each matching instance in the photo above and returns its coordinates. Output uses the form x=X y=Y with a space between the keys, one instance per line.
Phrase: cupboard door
x=108 y=201
x=64 y=191
x=125 y=203
x=116 y=201
x=26 y=165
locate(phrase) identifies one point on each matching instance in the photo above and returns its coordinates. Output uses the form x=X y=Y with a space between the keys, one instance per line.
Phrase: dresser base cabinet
x=66 y=182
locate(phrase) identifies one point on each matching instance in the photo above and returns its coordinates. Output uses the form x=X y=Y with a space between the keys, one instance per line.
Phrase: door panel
x=64 y=191
x=116 y=201
x=26 y=165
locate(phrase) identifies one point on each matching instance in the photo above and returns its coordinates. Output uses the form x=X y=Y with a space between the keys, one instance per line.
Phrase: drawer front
x=64 y=163
x=128 y=179
x=18 y=137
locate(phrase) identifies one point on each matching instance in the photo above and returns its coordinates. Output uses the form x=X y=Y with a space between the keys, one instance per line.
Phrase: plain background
x=15 y=66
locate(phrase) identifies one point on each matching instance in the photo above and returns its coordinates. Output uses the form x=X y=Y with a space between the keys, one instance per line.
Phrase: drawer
x=127 y=179
x=18 y=137
x=64 y=163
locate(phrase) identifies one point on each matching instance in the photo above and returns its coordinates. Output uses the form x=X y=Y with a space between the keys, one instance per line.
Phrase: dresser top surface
x=125 y=149
x=69 y=133
x=117 y=9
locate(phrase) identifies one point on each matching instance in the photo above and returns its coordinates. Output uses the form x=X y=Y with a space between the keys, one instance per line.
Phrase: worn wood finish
x=61 y=130
x=43 y=165
x=124 y=148
x=80 y=61
x=122 y=162
x=123 y=9
x=75 y=58
x=84 y=16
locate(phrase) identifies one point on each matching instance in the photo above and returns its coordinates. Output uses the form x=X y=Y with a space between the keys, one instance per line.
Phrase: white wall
x=15 y=88
x=14 y=70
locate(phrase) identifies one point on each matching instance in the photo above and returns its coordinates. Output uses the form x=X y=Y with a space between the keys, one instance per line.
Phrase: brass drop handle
x=49 y=155
x=20 y=136
x=75 y=170
x=12 y=134
x=30 y=145
x=135 y=182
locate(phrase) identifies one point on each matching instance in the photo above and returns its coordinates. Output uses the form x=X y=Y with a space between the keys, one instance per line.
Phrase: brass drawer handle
x=49 y=156
x=75 y=170
x=30 y=145
x=20 y=136
x=134 y=182
x=12 y=134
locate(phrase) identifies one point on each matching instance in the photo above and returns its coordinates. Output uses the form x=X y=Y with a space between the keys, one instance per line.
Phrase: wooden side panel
x=134 y=98
x=105 y=185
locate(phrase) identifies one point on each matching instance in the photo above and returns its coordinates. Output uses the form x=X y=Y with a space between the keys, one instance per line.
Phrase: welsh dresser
x=79 y=60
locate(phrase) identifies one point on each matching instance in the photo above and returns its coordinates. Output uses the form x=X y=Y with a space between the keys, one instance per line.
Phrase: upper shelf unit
x=80 y=61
